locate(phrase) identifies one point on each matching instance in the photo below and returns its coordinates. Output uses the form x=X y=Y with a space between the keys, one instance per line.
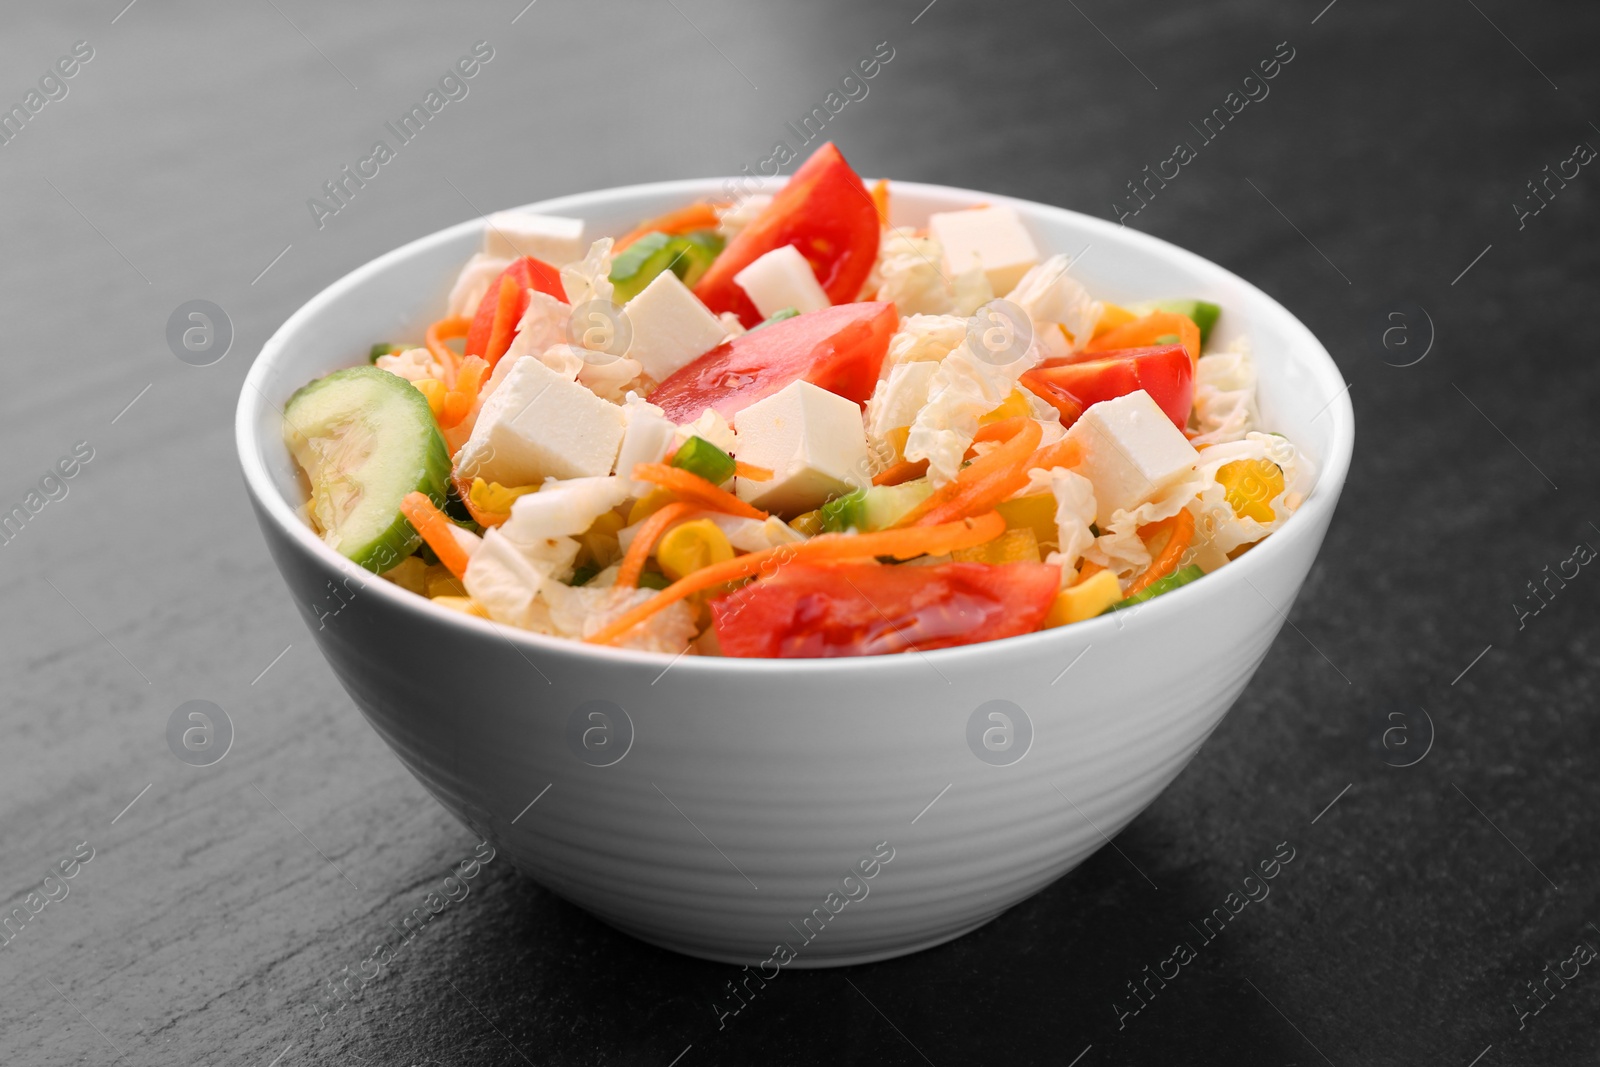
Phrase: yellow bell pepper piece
x=1113 y=317
x=691 y=546
x=1013 y=546
x=410 y=573
x=494 y=498
x=808 y=524
x=1251 y=485
x=1036 y=512
x=897 y=439
x=1085 y=600
x=464 y=604
x=598 y=546
x=652 y=502
x=435 y=391
x=1012 y=406
x=438 y=582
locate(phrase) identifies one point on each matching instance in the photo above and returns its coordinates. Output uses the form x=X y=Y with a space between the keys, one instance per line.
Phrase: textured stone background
x=1397 y=140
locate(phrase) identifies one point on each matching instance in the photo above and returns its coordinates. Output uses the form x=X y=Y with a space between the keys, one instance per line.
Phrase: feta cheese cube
x=782 y=279
x=994 y=237
x=540 y=425
x=648 y=439
x=513 y=234
x=671 y=327
x=813 y=442
x=1131 y=452
x=900 y=396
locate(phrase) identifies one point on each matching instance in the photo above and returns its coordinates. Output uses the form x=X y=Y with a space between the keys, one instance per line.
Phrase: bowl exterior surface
x=798 y=813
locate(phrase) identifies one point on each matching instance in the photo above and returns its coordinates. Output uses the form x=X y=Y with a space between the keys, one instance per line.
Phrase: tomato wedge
x=825 y=211
x=526 y=273
x=813 y=610
x=840 y=349
x=1075 y=383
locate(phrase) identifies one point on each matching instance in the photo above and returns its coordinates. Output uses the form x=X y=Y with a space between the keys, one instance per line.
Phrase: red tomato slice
x=825 y=211
x=840 y=349
x=528 y=273
x=1075 y=383
x=808 y=610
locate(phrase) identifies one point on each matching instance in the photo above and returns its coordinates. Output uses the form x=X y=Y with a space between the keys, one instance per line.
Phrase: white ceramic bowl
x=741 y=795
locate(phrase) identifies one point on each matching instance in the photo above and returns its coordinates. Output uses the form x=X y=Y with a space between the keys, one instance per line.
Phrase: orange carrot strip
x=904 y=471
x=683 y=220
x=1167 y=561
x=880 y=200
x=645 y=539
x=458 y=402
x=437 y=335
x=1088 y=570
x=901 y=544
x=693 y=487
x=752 y=472
x=505 y=314
x=985 y=481
x=434 y=527
x=1142 y=332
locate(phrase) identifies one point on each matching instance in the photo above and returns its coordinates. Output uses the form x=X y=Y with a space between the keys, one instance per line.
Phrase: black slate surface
x=1381 y=174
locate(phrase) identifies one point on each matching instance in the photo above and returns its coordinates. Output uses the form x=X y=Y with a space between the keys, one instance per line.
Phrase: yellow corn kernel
x=1085 y=600
x=808 y=524
x=690 y=546
x=438 y=582
x=1111 y=317
x=1012 y=406
x=464 y=604
x=1013 y=546
x=1036 y=512
x=494 y=498
x=1251 y=485
x=598 y=546
x=410 y=573
x=649 y=504
x=435 y=391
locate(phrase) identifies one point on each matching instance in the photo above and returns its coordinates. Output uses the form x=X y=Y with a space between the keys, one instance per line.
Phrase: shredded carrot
x=880 y=200
x=752 y=472
x=1182 y=526
x=900 y=544
x=1088 y=570
x=644 y=540
x=683 y=220
x=458 y=401
x=693 y=487
x=434 y=527
x=985 y=481
x=437 y=335
x=1148 y=331
x=904 y=471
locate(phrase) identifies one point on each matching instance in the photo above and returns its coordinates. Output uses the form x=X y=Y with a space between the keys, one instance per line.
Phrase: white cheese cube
x=513 y=234
x=540 y=425
x=812 y=441
x=671 y=327
x=1131 y=452
x=994 y=237
x=900 y=396
x=782 y=279
x=648 y=439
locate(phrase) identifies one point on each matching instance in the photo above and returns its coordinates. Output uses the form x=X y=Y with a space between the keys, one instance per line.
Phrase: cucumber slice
x=874 y=508
x=365 y=438
x=1181 y=576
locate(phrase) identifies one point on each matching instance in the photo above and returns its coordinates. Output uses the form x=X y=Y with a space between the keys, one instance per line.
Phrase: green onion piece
x=845 y=512
x=699 y=456
x=1181 y=576
x=653 y=580
x=582 y=575
x=383 y=348
x=776 y=316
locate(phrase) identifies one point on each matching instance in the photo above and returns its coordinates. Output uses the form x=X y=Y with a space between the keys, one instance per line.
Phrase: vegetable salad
x=781 y=427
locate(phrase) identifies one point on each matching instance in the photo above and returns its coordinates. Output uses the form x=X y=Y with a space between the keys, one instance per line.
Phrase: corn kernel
x=1013 y=546
x=897 y=439
x=598 y=546
x=464 y=604
x=691 y=546
x=435 y=391
x=649 y=504
x=1085 y=600
x=1012 y=406
x=494 y=498
x=808 y=524
x=410 y=573
x=438 y=582
x=1036 y=512
x=1251 y=485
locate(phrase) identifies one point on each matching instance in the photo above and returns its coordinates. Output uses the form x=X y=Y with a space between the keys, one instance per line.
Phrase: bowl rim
x=1318 y=505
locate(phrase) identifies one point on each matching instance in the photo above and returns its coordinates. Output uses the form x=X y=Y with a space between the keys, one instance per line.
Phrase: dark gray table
x=1379 y=177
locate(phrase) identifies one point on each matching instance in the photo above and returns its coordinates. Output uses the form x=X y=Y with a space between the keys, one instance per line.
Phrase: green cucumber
x=383 y=348
x=776 y=316
x=1202 y=312
x=874 y=508
x=687 y=256
x=699 y=456
x=365 y=438
x=1181 y=576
